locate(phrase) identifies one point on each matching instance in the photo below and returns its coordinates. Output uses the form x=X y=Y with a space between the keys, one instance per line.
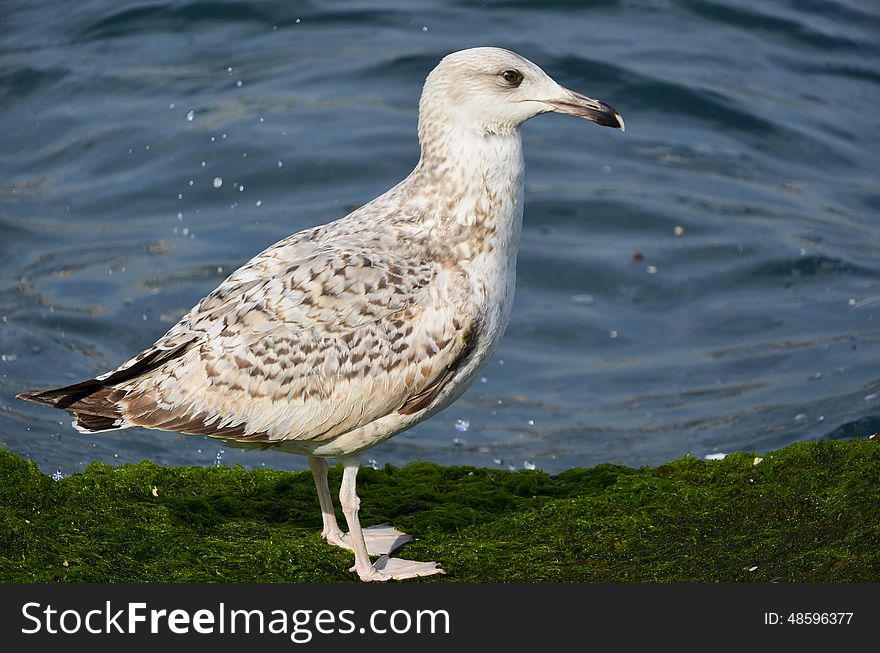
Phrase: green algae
x=806 y=513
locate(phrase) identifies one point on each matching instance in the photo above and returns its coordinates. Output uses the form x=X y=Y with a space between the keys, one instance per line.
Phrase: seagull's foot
x=386 y=568
x=335 y=537
x=381 y=539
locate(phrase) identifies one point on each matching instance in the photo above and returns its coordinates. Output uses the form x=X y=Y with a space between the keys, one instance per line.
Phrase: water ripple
x=706 y=281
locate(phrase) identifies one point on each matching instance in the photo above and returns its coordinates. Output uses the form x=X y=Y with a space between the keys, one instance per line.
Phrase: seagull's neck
x=471 y=185
x=469 y=158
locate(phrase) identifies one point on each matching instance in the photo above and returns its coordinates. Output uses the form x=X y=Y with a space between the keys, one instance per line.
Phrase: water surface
x=706 y=282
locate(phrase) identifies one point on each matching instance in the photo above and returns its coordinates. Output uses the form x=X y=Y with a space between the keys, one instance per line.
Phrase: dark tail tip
x=87 y=401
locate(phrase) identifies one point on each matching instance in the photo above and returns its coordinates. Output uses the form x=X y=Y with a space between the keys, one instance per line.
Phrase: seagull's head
x=495 y=91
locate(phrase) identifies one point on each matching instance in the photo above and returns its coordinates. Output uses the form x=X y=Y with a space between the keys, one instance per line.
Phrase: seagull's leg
x=385 y=568
x=331 y=531
x=380 y=539
x=350 y=505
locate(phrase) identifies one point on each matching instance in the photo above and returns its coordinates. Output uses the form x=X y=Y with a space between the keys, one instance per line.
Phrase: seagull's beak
x=575 y=104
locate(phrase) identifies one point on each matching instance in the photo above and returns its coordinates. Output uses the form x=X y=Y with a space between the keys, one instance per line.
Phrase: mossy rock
x=806 y=513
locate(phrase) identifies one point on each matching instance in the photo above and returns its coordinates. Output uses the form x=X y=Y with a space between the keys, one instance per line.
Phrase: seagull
x=343 y=335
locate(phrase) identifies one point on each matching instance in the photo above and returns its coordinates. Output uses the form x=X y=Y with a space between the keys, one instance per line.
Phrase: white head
x=494 y=91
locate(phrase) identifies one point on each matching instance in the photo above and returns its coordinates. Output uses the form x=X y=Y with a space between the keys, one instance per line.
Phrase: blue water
x=706 y=282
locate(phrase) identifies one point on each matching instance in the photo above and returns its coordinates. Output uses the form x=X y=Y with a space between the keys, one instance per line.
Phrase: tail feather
x=63 y=397
x=90 y=402
x=94 y=403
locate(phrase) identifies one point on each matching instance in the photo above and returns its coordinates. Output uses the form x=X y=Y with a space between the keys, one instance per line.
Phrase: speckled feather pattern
x=319 y=341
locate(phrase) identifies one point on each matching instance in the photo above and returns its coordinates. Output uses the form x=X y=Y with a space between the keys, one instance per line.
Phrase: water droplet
x=171 y=106
x=583 y=300
x=191 y=182
x=259 y=202
x=241 y=188
x=280 y=163
x=204 y=163
x=462 y=425
x=219 y=269
x=424 y=28
x=229 y=70
x=531 y=422
x=613 y=334
x=180 y=216
x=190 y=115
x=651 y=269
x=678 y=231
x=185 y=231
x=297 y=21
x=218 y=182
x=238 y=83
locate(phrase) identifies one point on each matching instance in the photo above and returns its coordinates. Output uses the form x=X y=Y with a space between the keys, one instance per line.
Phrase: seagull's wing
x=307 y=341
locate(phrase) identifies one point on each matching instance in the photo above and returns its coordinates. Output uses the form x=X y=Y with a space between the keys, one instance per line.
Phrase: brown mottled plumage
x=343 y=335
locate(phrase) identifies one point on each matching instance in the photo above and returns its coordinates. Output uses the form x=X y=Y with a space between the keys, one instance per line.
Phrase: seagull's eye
x=512 y=77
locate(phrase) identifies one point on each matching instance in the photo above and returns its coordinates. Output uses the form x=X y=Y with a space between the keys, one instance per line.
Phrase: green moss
x=807 y=513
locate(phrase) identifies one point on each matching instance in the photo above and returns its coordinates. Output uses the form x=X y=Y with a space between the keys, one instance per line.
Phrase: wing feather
x=307 y=341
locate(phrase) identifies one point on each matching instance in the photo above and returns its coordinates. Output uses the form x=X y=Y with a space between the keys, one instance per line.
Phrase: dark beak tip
x=610 y=117
x=593 y=110
x=614 y=120
x=607 y=119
